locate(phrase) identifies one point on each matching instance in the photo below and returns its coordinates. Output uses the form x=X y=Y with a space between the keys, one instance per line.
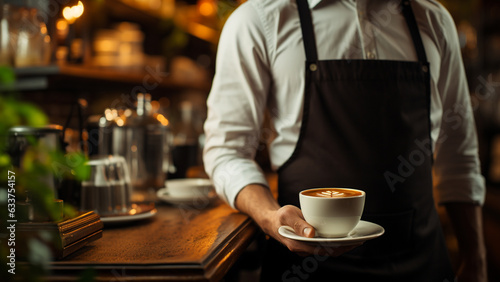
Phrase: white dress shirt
x=260 y=66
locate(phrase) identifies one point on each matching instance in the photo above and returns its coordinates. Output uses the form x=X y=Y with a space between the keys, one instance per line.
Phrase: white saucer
x=362 y=232
x=137 y=212
x=195 y=200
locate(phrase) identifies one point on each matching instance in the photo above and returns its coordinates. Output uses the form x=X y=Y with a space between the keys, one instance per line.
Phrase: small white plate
x=195 y=201
x=137 y=212
x=362 y=232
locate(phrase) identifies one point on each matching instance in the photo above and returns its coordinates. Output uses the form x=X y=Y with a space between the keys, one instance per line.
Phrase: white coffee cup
x=189 y=188
x=333 y=212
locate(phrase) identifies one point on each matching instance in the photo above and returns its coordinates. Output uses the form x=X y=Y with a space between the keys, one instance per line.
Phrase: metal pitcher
x=144 y=143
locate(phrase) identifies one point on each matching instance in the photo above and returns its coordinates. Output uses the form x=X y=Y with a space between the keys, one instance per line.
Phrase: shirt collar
x=313 y=3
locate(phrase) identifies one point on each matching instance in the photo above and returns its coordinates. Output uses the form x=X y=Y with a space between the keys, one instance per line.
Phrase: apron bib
x=366 y=125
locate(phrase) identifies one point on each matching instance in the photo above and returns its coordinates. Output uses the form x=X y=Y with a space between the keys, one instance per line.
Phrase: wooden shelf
x=149 y=76
x=38 y=4
x=37 y=78
x=31 y=78
x=127 y=10
x=36 y=71
x=186 y=17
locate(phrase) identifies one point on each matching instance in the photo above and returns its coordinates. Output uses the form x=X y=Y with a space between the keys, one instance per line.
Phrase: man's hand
x=258 y=203
x=466 y=220
x=473 y=269
x=292 y=216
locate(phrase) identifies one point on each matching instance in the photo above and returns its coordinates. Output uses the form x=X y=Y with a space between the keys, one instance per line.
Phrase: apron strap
x=310 y=41
x=422 y=57
x=307 y=31
x=415 y=34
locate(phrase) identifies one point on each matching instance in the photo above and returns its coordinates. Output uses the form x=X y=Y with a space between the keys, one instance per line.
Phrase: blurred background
x=85 y=62
x=478 y=25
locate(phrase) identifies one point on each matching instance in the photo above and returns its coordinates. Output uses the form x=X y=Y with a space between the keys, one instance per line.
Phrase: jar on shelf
x=6 y=39
x=29 y=38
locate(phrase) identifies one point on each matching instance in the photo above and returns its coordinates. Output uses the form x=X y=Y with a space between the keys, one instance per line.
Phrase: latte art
x=332 y=193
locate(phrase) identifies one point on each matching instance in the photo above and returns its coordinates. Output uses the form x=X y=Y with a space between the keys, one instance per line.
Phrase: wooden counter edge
x=212 y=269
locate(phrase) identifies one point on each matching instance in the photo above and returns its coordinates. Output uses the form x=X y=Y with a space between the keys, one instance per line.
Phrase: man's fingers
x=307 y=232
x=292 y=216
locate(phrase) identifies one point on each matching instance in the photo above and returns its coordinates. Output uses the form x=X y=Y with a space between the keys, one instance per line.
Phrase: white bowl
x=189 y=187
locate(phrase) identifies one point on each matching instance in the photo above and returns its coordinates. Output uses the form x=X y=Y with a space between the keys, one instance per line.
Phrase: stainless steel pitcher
x=144 y=143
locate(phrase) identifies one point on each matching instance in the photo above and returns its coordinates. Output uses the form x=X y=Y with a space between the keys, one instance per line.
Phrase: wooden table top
x=179 y=243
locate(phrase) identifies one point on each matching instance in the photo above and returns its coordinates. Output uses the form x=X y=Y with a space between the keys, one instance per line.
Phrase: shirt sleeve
x=457 y=174
x=236 y=105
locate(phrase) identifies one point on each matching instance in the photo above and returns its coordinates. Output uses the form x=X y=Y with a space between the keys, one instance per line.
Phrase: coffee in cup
x=333 y=212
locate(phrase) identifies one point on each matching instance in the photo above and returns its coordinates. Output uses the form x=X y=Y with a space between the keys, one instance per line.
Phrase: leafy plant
x=38 y=162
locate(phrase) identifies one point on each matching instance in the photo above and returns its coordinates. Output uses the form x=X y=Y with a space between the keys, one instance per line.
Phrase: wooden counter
x=178 y=244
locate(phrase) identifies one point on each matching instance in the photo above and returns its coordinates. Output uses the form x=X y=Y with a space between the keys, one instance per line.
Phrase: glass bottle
x=5 y=35
x=185 y=146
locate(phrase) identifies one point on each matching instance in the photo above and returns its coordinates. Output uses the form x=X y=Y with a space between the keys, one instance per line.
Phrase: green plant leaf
x=81 y=170
x=32 y=115
x=7 y=75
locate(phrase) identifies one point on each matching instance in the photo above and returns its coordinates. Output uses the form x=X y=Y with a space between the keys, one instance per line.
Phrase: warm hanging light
x=67 y=14
x=73 y=13
x=207 y=7
x=119 y=121
x=162 y=119
x=78 y=9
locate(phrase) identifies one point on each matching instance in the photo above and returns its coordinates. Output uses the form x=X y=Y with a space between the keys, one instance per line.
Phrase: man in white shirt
x=399 y=95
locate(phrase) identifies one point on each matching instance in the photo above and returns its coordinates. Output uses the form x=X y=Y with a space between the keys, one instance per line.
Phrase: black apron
x=366 y=125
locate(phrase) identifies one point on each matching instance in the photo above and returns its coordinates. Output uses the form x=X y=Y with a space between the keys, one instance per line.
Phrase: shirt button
x=371 y=55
